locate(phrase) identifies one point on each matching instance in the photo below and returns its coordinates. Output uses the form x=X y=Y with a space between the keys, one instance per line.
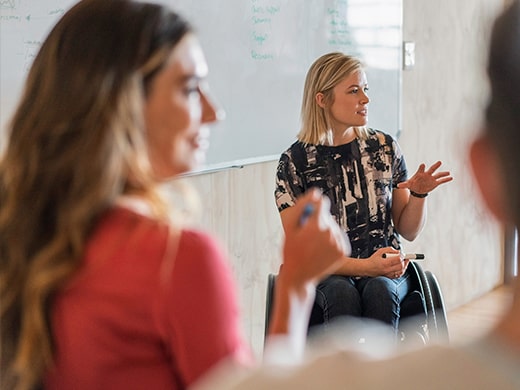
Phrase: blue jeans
x=377 y=298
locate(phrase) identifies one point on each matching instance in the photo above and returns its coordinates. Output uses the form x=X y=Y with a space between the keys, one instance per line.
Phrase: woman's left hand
x=426 y=180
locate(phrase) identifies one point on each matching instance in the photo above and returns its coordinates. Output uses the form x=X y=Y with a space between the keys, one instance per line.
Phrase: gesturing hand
x=426 y=180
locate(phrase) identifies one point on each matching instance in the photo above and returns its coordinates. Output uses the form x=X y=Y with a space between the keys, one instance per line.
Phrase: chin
x=186 y=169
x=171 y=172
x=191 y=161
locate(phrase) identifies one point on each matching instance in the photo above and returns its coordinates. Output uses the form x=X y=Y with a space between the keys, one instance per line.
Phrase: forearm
x=412 y=218
x=288 y=326
x=359 y=267
x=288 y=303
x=408 y=206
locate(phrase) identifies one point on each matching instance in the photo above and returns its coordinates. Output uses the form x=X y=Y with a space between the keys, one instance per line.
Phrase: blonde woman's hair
x=75 y=144
x=323 y=75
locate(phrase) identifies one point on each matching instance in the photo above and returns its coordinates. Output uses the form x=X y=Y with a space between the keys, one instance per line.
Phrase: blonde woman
x=99 y=288
x=363 y=173
x=491 y=361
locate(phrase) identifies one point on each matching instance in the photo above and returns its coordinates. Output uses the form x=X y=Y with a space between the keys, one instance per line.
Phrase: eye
x=354 y=91
x=192 y=87
x=191 y=90
x=366 y=89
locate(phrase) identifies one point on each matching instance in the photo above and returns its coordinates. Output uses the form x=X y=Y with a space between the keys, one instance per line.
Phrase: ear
x=320 y=99
x=485 y=165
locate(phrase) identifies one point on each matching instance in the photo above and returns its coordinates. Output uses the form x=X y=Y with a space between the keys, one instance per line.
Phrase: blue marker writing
x=307 y=212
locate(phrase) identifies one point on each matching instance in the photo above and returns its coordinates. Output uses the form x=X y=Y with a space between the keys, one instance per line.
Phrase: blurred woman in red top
x=99 y=287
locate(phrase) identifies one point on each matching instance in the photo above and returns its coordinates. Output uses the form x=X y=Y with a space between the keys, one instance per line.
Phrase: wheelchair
x=423 y=306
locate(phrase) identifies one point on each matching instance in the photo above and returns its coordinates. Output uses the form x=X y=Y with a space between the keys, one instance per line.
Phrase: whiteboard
x=258 y=53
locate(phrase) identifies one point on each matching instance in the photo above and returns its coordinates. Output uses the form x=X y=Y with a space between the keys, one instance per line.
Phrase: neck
x=342 y=137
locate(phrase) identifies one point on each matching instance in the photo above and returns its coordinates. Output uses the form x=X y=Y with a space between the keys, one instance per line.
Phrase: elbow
x=410 y=236
x=409 y=231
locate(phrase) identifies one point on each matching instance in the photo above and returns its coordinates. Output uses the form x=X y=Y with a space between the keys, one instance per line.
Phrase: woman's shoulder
x=197 y=241
x=376 y=133
x=151 y=238
x=301 y=149
x=123 y=224
x=295 y=154
x=381 y=137
x=129 y=225
x=296 y=147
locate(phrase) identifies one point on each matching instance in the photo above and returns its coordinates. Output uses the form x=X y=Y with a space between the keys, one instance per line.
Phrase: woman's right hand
x=312 y=249
x=388 y=262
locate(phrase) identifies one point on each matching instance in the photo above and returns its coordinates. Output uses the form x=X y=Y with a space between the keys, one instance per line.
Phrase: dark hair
x=76 y=142
x=503 y=111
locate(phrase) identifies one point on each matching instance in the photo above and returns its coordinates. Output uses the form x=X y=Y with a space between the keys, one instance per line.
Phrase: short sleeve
x=399 y=170
x=289 y=185
x=200 y=316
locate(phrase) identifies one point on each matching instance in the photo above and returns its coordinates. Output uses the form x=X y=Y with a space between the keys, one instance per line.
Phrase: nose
x=364 y=98
x=210 y=112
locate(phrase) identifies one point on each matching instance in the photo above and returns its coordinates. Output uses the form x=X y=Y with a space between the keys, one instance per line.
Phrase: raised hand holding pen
x=313 y=248
x=314 y=243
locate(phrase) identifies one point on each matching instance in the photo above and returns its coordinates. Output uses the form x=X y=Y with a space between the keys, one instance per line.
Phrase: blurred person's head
x=495 y=153
x=115 y=102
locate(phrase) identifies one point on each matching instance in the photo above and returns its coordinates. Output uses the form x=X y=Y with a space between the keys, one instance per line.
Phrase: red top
x=147 y=310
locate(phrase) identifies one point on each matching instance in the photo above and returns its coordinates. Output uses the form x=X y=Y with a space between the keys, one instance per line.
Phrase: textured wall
x=442 y=101
x=443 y=97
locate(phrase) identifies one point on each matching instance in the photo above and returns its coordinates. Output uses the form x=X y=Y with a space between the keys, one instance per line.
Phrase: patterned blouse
x=357 y=177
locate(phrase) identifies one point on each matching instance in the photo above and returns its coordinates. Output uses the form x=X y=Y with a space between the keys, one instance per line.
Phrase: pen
x=307 y=212
x=411 y=256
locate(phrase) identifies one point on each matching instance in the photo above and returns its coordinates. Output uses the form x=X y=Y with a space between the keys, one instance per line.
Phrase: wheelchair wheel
x=439 y=308
x=437 y=324
x=420 y=284
x=271 y=278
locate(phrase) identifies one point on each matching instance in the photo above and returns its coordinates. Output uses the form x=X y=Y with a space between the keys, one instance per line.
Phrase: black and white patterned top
x=357 y=177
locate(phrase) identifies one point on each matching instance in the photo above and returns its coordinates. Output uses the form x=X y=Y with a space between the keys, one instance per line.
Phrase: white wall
x=442 y=100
